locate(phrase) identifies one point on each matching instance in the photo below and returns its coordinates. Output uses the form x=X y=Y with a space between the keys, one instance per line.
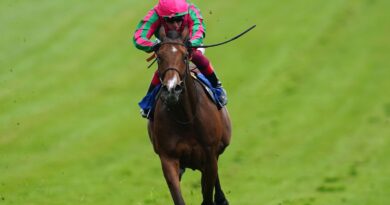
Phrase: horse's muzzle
x=171 y=96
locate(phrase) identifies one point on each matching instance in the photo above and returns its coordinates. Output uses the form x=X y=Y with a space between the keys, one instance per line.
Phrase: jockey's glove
x=188 y=45
x=156 y=46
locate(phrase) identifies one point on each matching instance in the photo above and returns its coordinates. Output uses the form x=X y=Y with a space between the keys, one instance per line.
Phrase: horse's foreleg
x=209 y=176
x=181 y=172
x=219 y=196
x=171 y=173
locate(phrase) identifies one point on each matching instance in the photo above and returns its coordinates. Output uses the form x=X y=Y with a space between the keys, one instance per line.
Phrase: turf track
x=308 y=90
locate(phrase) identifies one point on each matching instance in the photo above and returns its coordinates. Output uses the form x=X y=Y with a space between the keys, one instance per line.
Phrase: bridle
x=182 y=78
x=186 y=62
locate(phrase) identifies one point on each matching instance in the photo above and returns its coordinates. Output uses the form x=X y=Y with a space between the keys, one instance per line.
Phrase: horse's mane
x=173 y=35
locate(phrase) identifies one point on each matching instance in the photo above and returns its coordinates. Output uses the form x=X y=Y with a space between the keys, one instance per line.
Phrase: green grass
x=308 y=97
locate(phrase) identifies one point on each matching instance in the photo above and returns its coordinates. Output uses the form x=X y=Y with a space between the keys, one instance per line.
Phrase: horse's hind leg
x=219 y=196
x=171 y=173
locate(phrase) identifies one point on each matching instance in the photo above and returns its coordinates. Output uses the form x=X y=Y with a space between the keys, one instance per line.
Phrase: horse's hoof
x=208 y=204
x=222 y=202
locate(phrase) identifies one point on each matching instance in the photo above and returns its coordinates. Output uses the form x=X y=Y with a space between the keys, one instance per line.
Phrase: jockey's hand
x=156 y=46
x=188 y=45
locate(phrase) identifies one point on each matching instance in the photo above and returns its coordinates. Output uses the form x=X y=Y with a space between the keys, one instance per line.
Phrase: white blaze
x=174 y=49
x=172 y=82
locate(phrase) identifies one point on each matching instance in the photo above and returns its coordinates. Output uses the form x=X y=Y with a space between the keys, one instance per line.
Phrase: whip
x=206 y=46
x=232 y=39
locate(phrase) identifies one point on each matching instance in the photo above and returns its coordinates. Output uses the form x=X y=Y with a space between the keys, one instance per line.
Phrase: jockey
x=176 y=15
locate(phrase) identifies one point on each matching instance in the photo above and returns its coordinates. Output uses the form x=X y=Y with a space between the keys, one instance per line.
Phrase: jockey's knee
x=200 y=60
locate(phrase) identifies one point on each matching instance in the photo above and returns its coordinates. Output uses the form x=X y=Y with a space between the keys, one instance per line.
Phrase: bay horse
x=187 y=129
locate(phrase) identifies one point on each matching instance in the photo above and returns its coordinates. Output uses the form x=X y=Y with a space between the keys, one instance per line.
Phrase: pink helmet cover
x=171 y=8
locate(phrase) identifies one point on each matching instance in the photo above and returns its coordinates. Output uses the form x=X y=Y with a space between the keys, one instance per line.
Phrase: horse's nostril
x=178 y=88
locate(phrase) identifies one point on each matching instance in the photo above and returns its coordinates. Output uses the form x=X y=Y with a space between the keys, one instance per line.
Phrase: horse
x=187 y=130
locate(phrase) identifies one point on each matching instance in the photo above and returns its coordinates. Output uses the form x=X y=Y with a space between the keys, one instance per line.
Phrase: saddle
x=211 y=92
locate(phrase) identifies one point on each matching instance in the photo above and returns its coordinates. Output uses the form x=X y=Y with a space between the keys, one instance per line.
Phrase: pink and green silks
x=151 y=23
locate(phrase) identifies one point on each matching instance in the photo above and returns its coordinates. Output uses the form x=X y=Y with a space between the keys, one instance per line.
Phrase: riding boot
x=145 y=112
x=222 y=97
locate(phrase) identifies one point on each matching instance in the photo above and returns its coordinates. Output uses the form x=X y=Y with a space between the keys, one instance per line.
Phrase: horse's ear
x=161 y=33
x=185 y=33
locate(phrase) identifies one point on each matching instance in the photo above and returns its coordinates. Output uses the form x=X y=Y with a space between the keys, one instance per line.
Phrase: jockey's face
x=174 y=23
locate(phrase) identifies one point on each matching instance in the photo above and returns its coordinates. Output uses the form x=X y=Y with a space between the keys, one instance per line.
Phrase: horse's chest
x=187 y=149
x=191 y=154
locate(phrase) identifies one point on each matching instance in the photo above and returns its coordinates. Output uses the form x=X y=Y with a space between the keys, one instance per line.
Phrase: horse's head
x=172 y=58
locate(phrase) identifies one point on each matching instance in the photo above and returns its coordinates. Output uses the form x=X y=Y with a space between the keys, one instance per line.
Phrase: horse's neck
x=189 y=97
x=191 y=90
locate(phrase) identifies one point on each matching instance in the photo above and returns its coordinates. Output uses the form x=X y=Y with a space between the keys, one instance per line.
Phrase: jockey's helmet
x=172 y=8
